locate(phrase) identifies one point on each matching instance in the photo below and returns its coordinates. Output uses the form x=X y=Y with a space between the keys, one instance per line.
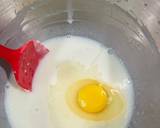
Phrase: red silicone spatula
x=24 y=61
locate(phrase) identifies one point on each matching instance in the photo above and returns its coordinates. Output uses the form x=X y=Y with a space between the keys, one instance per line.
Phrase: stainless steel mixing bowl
x=101 y=20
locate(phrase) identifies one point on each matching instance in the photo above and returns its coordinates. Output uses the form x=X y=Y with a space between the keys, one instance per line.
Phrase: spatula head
x=30 y=55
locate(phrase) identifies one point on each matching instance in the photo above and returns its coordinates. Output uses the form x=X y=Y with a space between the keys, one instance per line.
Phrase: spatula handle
x=7 y=54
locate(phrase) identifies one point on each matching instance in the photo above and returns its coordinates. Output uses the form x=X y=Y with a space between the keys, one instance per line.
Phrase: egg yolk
x=92 y=98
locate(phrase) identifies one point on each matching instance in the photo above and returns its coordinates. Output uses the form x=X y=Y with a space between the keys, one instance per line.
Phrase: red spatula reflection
x=24 y=61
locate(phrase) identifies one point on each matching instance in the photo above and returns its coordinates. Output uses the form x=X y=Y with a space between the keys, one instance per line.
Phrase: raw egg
x=95 y=100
